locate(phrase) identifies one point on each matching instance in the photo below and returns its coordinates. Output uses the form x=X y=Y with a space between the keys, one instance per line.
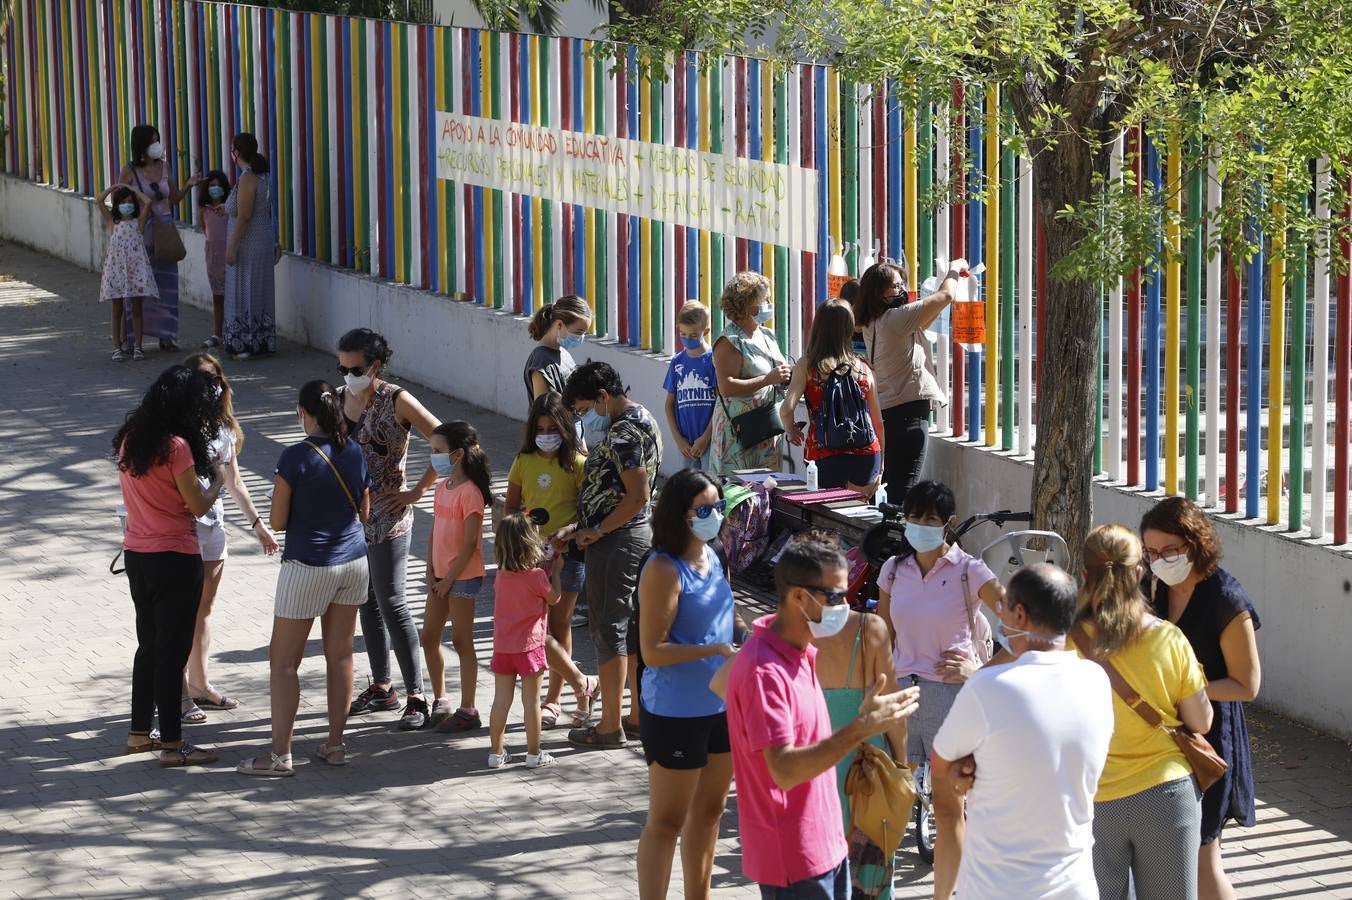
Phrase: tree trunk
x=1063 y=459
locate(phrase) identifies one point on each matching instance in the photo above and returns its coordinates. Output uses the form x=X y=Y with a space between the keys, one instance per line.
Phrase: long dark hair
x=671 y=529
x=871 y=301
x=142 y=136
x=246 y=145
x=215 y=176
x=124 y=195
x=320 y=399
x=462 y=436
x=181 y=403
x=550 y=404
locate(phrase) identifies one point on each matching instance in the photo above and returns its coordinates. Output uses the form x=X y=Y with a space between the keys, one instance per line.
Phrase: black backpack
x=843 y=421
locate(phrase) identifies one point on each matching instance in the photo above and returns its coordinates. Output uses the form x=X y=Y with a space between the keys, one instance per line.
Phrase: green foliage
x=1262 y=85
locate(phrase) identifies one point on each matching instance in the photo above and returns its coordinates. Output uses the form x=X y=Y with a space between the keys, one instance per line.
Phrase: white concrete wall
x=1303 y=592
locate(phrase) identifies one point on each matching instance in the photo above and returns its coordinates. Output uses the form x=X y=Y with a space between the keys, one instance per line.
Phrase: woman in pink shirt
x=931 y=602
x=161 y=450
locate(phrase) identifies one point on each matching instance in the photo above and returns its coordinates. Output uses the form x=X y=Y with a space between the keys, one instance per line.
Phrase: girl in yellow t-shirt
x=1147 y=811
x=547 y=475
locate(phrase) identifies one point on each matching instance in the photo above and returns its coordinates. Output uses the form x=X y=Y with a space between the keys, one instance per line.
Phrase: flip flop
x=192 y=715
x=225 y=703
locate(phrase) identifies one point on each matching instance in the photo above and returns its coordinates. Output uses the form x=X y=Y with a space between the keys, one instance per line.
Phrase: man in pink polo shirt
x=783 y=751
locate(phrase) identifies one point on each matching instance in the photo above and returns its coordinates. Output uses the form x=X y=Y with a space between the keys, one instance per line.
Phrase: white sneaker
x=496 y=760
x=538 y=760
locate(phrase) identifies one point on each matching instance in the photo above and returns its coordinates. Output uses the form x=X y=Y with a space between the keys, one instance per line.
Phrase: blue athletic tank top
x=703 y=616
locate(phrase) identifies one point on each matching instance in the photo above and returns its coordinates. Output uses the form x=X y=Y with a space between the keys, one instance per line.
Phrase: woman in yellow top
x=1148 y=810
x=547 y=474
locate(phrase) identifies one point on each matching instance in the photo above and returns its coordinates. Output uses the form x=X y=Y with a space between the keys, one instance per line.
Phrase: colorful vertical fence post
x=349 y=112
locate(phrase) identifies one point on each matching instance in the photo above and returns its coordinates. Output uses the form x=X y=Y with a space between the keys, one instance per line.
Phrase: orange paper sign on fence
x=834 y=283
x=969 y=322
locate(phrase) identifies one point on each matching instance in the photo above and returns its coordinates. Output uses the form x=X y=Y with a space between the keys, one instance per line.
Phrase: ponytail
x=462 y=436
x=246 y=145
x=568 y=309
x=319 y=399
x=1111 y=598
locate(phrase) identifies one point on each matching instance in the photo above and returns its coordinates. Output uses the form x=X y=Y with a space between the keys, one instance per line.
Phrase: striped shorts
x=306 y=592
x=1153 y=837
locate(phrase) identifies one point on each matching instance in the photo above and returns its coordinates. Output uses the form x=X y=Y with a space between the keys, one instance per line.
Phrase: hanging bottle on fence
x=969 y=312
x=837 y=273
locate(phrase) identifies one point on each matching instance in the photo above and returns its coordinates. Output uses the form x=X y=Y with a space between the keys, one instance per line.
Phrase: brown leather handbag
x=1207 y=765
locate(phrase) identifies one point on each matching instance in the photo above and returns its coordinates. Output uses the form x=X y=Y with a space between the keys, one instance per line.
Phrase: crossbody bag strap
x=336 y=474
x=1121 y=687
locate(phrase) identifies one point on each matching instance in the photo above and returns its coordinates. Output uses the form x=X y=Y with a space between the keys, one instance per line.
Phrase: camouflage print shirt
x=632 y=441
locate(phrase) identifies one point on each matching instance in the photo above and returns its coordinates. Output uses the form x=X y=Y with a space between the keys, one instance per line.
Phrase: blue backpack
x=843 y=421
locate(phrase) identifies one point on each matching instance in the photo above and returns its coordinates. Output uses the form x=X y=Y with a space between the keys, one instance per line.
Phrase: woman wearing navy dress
x=1190 y=589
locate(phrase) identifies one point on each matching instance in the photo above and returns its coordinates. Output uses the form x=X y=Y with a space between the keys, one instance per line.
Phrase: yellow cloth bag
x=882 y=794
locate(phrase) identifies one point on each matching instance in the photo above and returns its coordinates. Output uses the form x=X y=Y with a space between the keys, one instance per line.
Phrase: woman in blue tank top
x=686 y=626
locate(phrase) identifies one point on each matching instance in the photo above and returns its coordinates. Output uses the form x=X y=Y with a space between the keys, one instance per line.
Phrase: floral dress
x=126 y=268
x=760 y=354
x=384 y=442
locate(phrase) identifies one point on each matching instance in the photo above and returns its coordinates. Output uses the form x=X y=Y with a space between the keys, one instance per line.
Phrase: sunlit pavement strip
x=414 y=814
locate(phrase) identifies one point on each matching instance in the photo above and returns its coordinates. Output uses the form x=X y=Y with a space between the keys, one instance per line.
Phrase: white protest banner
x=746 y=198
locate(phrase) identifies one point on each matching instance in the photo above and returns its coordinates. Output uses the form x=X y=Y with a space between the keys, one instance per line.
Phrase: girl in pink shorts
x=522 y=595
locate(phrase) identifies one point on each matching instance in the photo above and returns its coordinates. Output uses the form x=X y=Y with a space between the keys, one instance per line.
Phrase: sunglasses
x=356 y=371
x=704 y=510
x=833 y=598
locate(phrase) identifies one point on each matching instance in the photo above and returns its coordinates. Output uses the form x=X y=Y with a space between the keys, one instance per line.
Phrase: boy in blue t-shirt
x=692 y=387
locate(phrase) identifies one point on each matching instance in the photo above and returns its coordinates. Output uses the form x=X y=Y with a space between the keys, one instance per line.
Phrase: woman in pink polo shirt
x=934 y=618
x=161 y=450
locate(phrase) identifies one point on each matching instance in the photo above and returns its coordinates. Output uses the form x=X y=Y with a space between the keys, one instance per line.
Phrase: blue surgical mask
x=443 y=464
x=594 y=421
x=571 y=341
x=692 y=343
x=923 y=538
x=765 y=314
x=215 y=192
x=707 y=528
x=127 y=210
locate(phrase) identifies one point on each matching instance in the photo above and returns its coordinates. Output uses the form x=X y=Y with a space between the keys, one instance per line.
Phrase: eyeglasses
x=833 y=598
x=704 y=510
x=1173 y=551
x=355 y=371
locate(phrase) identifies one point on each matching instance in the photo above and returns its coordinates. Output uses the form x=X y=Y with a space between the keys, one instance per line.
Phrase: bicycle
x=1004 y=556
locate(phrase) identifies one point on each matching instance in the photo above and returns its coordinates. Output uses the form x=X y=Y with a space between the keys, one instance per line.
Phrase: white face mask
x=357 y=383
x=155 y=151
x=549 y=443
x=1172 y=570
x=833 y=620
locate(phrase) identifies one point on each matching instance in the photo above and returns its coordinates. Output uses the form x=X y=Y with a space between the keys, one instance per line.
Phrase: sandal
x=151 y=742
x=225 y=703
x=189 y=714
x=592 y=739
x=333 y=756
x=590 y=693
x=277 y=766
x=549 y=715
x=185 y=755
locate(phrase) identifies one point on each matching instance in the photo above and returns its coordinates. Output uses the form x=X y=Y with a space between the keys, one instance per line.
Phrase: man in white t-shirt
x=1038 y=729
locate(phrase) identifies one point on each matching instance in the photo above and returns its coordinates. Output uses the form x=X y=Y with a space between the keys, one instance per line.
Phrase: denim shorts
x=573 y=575
x=467 y=587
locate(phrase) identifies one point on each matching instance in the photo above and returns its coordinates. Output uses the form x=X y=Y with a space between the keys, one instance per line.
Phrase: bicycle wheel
x=924 y=815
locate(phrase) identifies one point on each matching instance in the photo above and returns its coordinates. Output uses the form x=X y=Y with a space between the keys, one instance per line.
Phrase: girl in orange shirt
x=455 y=569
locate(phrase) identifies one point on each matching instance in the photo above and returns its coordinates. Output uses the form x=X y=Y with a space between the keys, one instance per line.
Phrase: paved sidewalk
x=415 y=814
